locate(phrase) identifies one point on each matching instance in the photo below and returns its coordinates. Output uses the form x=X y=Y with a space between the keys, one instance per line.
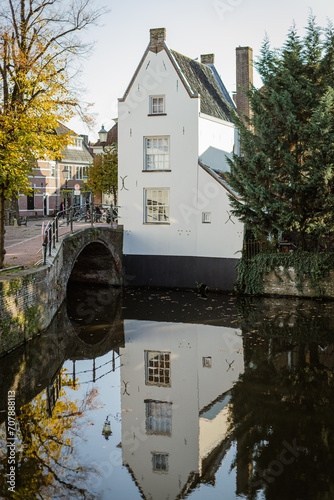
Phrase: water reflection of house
x=176 y=380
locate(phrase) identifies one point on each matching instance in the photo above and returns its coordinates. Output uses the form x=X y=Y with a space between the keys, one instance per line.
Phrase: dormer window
x=157 y=105
x=77 y=143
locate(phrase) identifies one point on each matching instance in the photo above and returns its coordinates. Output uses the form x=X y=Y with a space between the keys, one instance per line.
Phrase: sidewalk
x=24 y=244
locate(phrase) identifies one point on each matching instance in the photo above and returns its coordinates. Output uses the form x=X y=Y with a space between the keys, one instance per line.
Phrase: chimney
x=157 y=39
x=208 y=59
x=244 y=69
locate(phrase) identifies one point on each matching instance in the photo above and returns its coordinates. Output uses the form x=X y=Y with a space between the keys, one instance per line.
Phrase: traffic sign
x=77 y=187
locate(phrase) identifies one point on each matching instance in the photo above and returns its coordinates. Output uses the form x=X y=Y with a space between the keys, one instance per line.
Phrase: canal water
x=164 y=395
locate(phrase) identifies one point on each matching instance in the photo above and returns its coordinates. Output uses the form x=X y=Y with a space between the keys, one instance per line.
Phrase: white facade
x=197 y=221
x=192 y=419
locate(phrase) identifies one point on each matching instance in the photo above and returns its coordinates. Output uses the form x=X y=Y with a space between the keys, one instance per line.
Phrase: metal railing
x=96 y=213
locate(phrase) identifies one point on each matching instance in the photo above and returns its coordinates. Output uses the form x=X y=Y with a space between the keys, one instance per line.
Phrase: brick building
x=48 y=181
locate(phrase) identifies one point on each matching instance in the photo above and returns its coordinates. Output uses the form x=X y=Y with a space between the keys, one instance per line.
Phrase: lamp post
x=85 y=180
x=103 y=134
x=66 y=173
x=106 y=431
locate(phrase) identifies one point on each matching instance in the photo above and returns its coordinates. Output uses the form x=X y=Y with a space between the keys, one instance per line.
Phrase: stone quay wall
x=279 y=282
x=30 y=299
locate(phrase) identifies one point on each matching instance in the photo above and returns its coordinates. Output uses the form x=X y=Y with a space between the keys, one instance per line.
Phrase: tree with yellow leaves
x=39 y=41
x=46 y=460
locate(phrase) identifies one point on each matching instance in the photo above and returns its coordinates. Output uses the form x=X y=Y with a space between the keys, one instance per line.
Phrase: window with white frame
x=53 y=168
x=157 y=368
x=160 y=462
x=157 y=153
x=69 y=169
x=80 y=172
x=206 y=217
x=157 y=105
x=76 y=144
x=158 y=417
x=156 y=209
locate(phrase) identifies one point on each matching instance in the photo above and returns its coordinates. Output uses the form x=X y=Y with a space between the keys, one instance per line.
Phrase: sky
x=193 y=27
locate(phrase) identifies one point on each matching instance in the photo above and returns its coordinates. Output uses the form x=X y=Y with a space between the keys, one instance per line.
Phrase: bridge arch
x=93 y=256
x=96 y=263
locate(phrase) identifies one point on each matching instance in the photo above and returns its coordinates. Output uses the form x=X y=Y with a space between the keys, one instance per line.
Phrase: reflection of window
x=157 y=153
x=160 y=462
x=157 y=105
x=207 y=362
x=156 y=208
x=157 y=368
x=158 y=417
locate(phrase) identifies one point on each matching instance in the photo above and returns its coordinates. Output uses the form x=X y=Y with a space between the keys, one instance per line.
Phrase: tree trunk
x=2 y=230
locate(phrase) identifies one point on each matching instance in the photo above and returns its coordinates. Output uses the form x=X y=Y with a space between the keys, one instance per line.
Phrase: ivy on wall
x=313 y=267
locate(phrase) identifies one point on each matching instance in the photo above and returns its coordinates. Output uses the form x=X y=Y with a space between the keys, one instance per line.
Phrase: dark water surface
x=208 y=397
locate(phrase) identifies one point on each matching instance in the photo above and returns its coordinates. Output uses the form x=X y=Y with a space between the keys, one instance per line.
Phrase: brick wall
x=244 y=78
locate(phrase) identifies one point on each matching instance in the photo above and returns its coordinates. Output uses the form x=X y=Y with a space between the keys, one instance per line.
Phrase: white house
x=176 y=383
x=174 y=130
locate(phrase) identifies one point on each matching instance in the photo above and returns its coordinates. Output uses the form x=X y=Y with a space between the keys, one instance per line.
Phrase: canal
x=164 y=395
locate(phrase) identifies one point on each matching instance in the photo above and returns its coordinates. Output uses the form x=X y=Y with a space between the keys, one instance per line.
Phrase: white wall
x=215 y=133
x=223 y=237
x=191 y=190
x=192 y=387
x=181 y=124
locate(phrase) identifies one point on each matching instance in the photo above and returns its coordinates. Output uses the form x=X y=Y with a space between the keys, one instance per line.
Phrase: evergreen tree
x=285 y=174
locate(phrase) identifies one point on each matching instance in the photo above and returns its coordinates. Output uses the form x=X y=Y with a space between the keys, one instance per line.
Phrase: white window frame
x=158 y=368
x=77 y=143
x=157 y=105
x=156 y=157
x=80 y=171
x=156 y=209
x=158 y=417
x=206 y=217
x=53 y=168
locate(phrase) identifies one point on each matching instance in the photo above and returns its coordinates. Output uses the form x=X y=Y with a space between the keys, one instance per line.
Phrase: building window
x=158 y=417
x=156 y=153
x=207 y=361
x=69 y=169
x=206 y=217
x=157 y=368
x=156 y=208
x=31 y=201
x=53 y=168
x=80 y=172
x=77 y=143
x=160 y=462
x=157 y=105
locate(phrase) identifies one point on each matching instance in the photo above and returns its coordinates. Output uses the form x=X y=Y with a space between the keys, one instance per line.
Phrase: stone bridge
x=30 y=300
x=92 y=255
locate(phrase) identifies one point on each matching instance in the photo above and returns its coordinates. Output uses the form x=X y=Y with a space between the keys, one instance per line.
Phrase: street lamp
x=106 y=431
x=103 y=134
